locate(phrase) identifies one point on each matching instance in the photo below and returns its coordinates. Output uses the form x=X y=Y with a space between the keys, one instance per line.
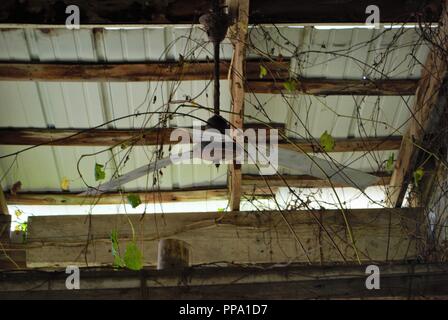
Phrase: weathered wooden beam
x=238 y=33
x=406 y=281
x=100 y=137
x=253 y=186
x=3 y=204
x=162 y=196
x=273 y=82
x=326 y=87
x=341 y=145
x=140 y=12
x=153 y=71
x=299 y=181
x=430 y=102
x=67 y=198
x=238 y=237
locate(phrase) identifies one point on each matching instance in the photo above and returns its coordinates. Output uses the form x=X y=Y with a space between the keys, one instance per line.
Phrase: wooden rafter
x=430 y=101
x=151 y=137
x=238 y=34
x=3 y=205
x=252 y=186
x=141 y=12
x=150 y=71
x=338 y=87
x=100 y=137
x=273 y=82
x=405 y=281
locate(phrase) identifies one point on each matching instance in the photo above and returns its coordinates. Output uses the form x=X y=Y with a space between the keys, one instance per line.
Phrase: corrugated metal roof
x=84 y=105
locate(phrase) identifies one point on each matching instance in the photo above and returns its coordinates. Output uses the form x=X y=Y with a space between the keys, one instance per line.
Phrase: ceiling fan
x=216 y=24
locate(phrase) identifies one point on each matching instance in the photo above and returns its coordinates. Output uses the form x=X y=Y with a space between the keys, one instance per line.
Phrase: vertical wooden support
x=238 y=33
x=3 y=206
x=173 y=254
x=430 y=100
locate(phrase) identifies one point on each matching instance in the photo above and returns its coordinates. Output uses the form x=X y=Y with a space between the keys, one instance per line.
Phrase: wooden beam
x=406 y=281
x=341 y=145
x=162 y=196
x=100 y=137
x=238 y=237
x=273 y=83
x=430 y=101
x=299 y=181
x=340 y=87
x=238 y=34
x=141 y=12
x=152 y=71
x=253 y=186
x=3 y=204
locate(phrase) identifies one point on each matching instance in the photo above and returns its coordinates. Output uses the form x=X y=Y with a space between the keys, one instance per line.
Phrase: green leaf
x=221 y=209
x=134 y=200
x=390 y=163
x=263 y=72
x=18 y=213
x=290 y=85
x=133 y=257
x=100 y=174
x=118 y=261
x=327 y=142
x=418 y=175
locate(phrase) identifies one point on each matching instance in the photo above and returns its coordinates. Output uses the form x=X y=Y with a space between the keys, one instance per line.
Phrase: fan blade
x=137 y=173
x=324 y=169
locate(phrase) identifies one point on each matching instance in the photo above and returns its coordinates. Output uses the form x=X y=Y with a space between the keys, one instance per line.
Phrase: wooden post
x=3 y=206
x=239 y=9
x=430 y=101
x=173 y=254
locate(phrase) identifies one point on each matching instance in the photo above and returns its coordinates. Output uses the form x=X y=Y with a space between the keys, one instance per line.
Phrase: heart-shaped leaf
x=327 y=142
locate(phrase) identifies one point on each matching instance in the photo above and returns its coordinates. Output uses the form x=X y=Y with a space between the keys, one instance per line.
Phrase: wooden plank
x=429 y=103
x=299 y=181
x=3 y=206
x=101 y=137
x=408 y=281
x=341 y=145
x=238 y=33
x=239 y=237
x=326 y=87
x=253 y=186
x=162 y=196
x=185 y=71
x=140 y=12
x=152 y=71
x=172 y=71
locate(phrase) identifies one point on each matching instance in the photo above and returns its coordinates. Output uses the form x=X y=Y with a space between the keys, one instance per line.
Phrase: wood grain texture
x=430 y=101
x=162 y=196
x=240 y=237
x=398 y=281
x=326 y=87
x=238 y=34
x=101 y=137
x=127 y=72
